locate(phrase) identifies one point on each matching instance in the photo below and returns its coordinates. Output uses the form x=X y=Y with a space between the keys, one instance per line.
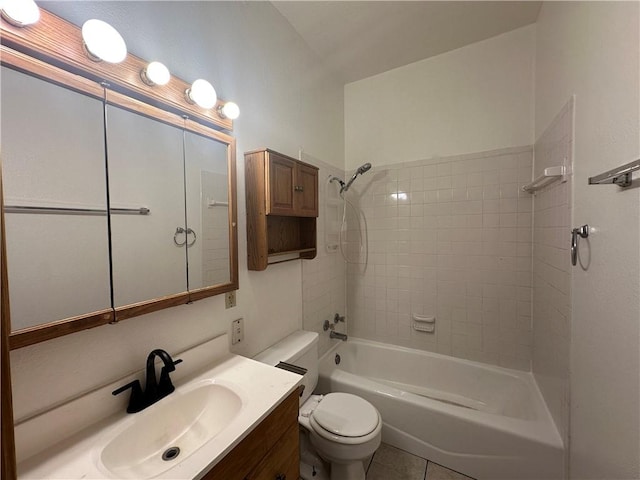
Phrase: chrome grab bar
x=583 y=231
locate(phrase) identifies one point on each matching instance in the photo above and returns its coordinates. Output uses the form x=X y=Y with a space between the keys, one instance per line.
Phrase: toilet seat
x=345 y=418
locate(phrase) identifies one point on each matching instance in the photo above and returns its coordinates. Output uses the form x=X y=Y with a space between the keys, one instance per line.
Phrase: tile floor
x=390 y=463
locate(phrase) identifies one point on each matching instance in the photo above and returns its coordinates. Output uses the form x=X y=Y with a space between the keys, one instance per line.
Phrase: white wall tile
x=466 y=224
x=551 y=293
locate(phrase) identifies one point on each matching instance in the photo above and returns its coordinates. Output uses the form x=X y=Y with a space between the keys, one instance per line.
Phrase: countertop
x=261 y=388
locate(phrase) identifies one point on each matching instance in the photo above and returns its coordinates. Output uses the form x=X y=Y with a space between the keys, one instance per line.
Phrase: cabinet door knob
x=281 y=476
x=299 y=188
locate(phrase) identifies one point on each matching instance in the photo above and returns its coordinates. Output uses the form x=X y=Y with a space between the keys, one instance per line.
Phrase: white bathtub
x=487 y=422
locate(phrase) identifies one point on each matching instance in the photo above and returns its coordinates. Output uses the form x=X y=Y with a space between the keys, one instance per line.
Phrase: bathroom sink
x=166 y=433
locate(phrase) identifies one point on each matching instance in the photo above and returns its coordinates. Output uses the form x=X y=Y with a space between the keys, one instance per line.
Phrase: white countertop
x=261 y=388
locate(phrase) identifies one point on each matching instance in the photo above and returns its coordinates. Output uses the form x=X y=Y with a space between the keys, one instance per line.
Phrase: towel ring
x=180 y=230
x=195 y=237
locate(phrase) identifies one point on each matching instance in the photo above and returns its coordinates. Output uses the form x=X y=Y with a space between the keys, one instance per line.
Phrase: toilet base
x=313 y=472
x=347 y=471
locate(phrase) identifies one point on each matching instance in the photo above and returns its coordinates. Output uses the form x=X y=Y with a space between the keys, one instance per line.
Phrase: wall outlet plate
x=230 y=299
x=237 y=331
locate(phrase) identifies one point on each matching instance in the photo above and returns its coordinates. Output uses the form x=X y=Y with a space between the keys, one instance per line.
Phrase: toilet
x=342 y=429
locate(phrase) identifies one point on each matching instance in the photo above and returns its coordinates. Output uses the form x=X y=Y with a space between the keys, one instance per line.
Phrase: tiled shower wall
x=324 y=278
x=552 y=270
x=451 y=238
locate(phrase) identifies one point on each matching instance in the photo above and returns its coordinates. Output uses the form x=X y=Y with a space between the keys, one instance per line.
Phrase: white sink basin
x=185 y=421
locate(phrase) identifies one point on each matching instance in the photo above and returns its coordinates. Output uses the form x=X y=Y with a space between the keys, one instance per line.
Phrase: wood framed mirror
x=87 y=225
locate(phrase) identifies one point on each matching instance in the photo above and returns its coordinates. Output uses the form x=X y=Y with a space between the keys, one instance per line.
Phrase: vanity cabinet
x=282 y=206
x=270 y=452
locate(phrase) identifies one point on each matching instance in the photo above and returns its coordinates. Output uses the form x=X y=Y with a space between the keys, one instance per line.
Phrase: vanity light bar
x=201 y=93
x=103 y=42
x=155 y=73
x=46 y=33
x=20 y=13
x=229 y=110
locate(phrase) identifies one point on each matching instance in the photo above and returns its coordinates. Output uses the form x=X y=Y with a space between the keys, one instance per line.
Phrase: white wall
x=474 y=99
x=592 y=50
x=251 y=55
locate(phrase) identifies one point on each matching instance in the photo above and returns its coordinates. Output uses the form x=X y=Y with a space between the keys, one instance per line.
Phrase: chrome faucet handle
x=338 y=318
x=327 y=325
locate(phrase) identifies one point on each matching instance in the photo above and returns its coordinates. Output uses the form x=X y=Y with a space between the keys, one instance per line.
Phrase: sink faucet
x=154 y=390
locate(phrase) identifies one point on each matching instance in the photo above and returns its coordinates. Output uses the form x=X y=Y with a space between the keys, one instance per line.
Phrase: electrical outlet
x=230 y=299
x=237 y=331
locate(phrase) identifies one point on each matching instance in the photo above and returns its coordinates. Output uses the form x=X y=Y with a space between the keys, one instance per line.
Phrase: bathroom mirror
x=169 y=203
x=207 y=187
x=130 y=190
x=145 y=179
x=55 y=201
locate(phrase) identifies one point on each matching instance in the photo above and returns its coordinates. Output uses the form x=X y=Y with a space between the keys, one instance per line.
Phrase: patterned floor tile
x=390 y=463
x=438 y=472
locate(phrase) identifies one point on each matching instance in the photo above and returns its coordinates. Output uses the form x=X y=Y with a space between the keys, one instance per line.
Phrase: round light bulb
x=202 y=94
x=103 y=42
x=20 y=12
x=230 y=110
x=155 y=74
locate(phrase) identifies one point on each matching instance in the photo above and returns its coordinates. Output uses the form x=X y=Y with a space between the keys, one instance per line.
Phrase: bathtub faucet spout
x=341 y=336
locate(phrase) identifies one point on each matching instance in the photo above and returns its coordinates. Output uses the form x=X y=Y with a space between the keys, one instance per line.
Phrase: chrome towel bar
x=74 y=211
x=621 y=176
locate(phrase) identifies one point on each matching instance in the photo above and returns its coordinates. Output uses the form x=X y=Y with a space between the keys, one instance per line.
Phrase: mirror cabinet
x=117 y=203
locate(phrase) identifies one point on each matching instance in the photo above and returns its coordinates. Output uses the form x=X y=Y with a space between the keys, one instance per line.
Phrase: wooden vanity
x=269 y=452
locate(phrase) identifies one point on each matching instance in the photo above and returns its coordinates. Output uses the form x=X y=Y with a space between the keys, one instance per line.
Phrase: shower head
x=361 y=169
x=364 y=168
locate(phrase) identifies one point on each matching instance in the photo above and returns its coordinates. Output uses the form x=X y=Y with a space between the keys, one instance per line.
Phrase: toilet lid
x=346 y=415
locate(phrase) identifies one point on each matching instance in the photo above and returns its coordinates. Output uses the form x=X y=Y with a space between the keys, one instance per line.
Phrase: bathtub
x=486 y=422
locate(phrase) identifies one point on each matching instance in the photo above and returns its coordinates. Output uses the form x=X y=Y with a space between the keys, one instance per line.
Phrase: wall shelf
x=549 y=175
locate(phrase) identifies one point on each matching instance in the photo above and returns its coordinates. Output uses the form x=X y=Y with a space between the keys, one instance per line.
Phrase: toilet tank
x=301 y=349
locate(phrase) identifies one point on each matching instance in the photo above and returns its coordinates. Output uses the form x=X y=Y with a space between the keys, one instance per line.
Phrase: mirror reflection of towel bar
x=75 y=211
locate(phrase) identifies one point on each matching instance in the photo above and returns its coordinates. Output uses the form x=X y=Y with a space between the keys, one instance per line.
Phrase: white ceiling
x=358 y=39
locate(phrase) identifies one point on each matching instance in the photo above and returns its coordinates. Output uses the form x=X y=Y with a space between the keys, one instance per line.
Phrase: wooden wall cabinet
x=282 y=206
x=270 y=452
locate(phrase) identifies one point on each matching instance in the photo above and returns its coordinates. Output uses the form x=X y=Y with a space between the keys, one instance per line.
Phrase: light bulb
x=202 y=94
x=20 y=12
x=103 y=42
x=155 y=74
x=229 y=110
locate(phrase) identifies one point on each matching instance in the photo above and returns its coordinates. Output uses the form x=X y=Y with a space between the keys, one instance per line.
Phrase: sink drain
x=171 y=454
